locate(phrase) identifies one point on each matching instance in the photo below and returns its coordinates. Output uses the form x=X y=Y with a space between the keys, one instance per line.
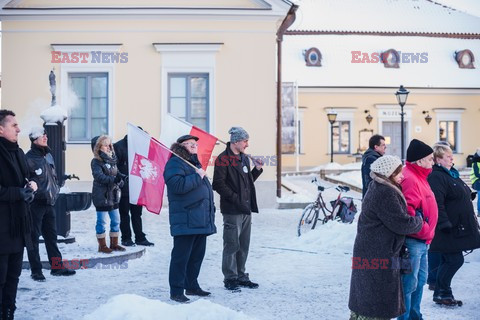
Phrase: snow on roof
x=471 y=7
x=337 y=70
x=383 y=16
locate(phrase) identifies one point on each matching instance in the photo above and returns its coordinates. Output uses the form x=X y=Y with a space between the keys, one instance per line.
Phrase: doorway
x=392 y=132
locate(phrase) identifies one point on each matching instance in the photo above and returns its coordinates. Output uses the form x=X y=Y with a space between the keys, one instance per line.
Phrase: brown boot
x=114 y=242
x=102 y=244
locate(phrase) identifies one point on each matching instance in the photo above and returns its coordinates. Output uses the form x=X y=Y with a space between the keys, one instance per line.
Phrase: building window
x=465 y=59
x=390 y=58
x=447 y=131
x=341 y=137
x=313 y=57
x=188 y=98
x=90 y=116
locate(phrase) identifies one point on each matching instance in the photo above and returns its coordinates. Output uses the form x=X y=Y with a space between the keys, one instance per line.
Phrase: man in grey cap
x=234 y=182
x=42 y=170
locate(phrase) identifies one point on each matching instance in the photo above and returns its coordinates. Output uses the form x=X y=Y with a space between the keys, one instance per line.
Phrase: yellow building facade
x=212 y=63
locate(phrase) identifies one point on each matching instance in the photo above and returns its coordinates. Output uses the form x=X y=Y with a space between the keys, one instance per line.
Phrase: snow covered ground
x=300 y=278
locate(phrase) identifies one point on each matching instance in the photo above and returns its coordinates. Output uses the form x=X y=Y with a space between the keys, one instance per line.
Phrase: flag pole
x=165 y=147
x=247 y=155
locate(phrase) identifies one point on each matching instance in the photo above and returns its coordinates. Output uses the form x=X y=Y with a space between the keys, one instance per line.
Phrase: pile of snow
x=338 y=237
x=54 y=114
x=353 y=178
x=131 y=306
x=295 y=198
x=337 y=166
x=36 y=132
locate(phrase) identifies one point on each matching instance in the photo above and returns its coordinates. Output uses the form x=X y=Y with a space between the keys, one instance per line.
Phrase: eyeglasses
x=191 y=144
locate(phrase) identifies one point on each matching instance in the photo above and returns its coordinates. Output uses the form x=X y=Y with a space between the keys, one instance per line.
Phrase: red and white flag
x=147 y=158
x=173 y=128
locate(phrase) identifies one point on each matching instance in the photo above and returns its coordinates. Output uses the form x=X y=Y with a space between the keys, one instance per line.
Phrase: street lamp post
x=402 y=95
x=332 y=117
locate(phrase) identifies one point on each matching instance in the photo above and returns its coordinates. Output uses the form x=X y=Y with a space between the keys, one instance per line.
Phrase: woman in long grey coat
x=376 y=289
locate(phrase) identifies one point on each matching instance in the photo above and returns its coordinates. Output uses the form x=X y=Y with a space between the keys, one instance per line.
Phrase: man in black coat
x=42 y=170
x=121 y=150
x=234 y=182
x=376 y=149
x=15 y=194
x=191 y=215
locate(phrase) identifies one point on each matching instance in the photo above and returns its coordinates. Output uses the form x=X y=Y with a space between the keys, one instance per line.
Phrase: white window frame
x=300 y=126
x=189 y=58
x=343 y=114
x=450 y=114
x=109 y=68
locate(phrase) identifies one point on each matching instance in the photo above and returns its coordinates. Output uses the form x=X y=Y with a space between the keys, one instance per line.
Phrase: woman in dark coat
x=107 y=182
x=192 y=217
x=457 y=228
x=376 y=288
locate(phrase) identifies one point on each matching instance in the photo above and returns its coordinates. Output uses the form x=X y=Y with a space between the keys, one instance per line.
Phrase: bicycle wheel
x=309 y=218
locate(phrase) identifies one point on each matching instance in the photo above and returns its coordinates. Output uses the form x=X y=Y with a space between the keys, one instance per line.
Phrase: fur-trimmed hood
x=181 y=151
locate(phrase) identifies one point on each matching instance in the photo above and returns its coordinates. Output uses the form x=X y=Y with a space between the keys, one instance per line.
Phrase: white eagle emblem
x=147 y=170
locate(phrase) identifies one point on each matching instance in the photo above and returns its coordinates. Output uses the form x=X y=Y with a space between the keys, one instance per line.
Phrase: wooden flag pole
x=247 y=155
x=165 y=147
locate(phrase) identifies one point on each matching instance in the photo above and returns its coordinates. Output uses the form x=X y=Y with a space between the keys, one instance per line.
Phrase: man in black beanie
x=420 y=201
x=42 y=170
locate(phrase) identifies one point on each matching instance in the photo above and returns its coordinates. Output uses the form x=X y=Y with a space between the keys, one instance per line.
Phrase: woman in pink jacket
x=420 y=200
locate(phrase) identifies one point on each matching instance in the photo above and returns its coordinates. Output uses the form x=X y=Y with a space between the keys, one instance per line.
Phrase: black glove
x=473 y=195
x=125 y=179
x=120 y=184
x=27 y=194
x=118 y=178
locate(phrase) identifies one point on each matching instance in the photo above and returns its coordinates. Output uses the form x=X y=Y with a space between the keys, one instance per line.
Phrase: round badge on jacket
x=245 y=169
x=38 y=171
x=108 y=166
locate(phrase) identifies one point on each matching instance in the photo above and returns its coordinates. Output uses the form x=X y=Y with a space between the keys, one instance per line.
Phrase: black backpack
x=348 y=210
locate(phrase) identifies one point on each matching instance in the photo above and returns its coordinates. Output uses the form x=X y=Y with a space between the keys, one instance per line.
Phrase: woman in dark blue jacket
x=192 y=217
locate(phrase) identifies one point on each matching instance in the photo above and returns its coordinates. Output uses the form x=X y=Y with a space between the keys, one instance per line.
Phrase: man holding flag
x=192 y=217
x=147 y=158
x=125 y=207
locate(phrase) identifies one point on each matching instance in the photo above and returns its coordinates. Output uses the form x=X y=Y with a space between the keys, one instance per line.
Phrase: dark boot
x=145 y=243
x=179 y=298
x=114 y=242
x=102 y=244
x=37 y=276
x=62 y=272
x=8 y=313
x=248 y=284
x=128 y=243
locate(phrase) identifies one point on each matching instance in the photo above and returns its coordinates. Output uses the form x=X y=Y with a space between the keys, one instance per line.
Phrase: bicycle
x=311 y=213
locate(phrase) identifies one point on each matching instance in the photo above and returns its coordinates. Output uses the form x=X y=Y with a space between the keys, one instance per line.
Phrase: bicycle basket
x=348 y=210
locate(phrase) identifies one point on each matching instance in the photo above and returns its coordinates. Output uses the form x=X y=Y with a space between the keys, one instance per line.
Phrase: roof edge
x=472 y=36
